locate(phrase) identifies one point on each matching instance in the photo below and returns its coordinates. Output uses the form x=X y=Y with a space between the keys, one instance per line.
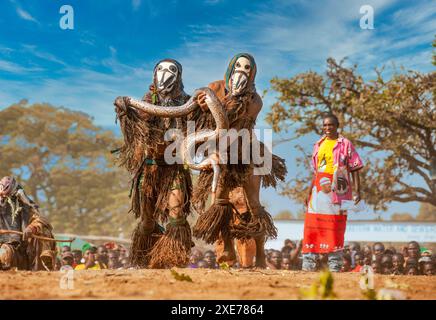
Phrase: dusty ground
x=207 y=284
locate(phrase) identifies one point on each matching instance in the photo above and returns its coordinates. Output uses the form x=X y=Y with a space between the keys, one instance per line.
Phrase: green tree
x=64 y=163
x=393 y=120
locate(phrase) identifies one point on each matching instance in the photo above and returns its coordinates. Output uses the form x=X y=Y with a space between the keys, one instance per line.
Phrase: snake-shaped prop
x=189 y=142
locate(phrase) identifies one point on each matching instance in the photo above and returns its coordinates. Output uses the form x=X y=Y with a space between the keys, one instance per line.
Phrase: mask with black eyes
x=165 y=76
x=8 y=186
x=240 y=77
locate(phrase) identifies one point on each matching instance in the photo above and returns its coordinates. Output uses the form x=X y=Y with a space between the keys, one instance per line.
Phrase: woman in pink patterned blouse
x=336 y=166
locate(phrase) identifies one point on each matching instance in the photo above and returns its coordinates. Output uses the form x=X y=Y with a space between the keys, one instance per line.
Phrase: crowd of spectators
x=411 y=259
x=107 y=256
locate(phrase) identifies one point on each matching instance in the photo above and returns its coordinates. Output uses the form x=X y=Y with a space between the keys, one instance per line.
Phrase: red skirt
x=324 y=224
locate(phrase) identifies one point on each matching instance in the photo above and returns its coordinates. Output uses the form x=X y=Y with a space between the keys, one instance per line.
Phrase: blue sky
x=115 y=44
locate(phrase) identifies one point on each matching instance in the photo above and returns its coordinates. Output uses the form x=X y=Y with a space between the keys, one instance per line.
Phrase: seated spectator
x=367 y=252
x=197 y=252
x=411 y=270
x=386 y=264
x=67 y=259
x=210 y=259
x=389 y=251
x=286 y=250
x=347 y=249
x=411 y=263
x=77 y=256
x=275 y=261
x=114 y=260
x=270 y=252
x=378 y=249
x=290 y=244
x=428 y=268
x=397 y=264
x=123 y=252
x=367 y=260
x=125 y=263
x=90 y=261
x=111 y=245
x=421 y=263
x=426 y=253
x=323 y=262
x=354 y=248
x=392 y=250
x=102 y=257
x=412 y=251
x=286 y=264
x=65 y=249
x=358 y=258
x=346 y=263
x=375 y=265
x=295 y=255
x=193 y=261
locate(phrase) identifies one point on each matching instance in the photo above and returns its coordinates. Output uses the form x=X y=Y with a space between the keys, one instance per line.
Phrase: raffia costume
x=19 y=213
x=154 y=180
x=221 y=222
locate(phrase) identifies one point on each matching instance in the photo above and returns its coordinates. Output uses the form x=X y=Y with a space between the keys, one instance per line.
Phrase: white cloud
x=26 y=15
x=6 y=50
x=79 y=88
x=32 y=49
x=286 y=41
x=14 y=68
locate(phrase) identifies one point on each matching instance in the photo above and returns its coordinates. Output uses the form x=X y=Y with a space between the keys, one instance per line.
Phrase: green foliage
x=224 y=266
x=180 y=276
x=64 y=163
x=393 y=120
x=321 y=289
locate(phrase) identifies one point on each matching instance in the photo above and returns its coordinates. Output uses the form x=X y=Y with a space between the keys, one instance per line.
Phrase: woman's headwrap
x=231 y=69
x=167 y=77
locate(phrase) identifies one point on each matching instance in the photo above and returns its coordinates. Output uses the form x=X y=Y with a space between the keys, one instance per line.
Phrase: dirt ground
x=207 y=284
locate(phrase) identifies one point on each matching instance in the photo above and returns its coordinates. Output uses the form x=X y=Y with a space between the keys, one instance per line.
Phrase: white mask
x=240 y=76
x=166 y=76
